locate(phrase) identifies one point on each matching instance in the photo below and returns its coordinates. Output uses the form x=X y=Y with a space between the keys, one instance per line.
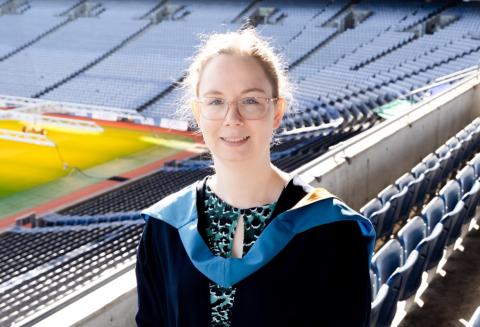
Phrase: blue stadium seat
x=433 y=173
x=430 y=249
x=411 y=234
x=475 y=163
x=470 y=191
x=433 y=212
x=419 y=173
x=412 y=185
x=392 y=195
x=456 y=150
x=446 y=161
x=377 y=305
x=451 y=193
x=384 y=265
x=466 y=142
x=410 y=237
x=376 y=212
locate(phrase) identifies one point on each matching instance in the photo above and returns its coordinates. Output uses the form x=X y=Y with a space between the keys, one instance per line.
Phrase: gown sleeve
x=150 y=281
x=344 y=293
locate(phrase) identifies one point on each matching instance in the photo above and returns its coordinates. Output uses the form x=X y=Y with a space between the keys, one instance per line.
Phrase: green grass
x=24 y=166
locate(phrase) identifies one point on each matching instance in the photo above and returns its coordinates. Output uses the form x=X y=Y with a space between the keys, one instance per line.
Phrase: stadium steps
x=157 y=97
x=431 y=17
x=94 y=62
x=315 y=48
x=376 y=57
x=329 y=39
x=35 y=40
x=244 y=11
x=347 y=7
x=154 y=8
x=73 y=7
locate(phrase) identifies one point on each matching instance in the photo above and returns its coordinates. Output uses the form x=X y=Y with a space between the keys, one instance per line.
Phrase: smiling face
x=232 y=77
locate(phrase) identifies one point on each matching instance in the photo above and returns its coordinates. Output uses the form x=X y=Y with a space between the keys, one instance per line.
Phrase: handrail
x=472 y=68
x=444 y=79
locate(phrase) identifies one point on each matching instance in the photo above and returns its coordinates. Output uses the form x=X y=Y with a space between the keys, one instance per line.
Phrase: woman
x=250 y=245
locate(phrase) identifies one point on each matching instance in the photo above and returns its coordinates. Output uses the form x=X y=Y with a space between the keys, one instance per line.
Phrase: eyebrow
x=253 y=89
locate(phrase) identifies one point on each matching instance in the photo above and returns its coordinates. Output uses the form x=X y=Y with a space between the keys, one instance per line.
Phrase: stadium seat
x=433 y=173
x=419 y=172
x=384 y=264
x=430 y=249
x=376 y=212
x=456 y=150
x=377 y=305
x=412 y=185
x=470 y=191
x=446 y=161
x=433 y=212
x=475 y=163
x=410 y=237
x=451 y=194
x=411 y=234
x=466 y=142
x=392 y=195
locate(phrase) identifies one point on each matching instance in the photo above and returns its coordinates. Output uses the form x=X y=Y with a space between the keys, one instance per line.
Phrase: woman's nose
x=232 y=116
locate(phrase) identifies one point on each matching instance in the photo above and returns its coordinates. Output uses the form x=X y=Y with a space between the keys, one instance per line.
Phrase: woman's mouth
x=235 y=140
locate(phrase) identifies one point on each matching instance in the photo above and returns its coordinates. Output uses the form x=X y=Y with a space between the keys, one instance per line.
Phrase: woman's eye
x=249 y=101
x=215 y=102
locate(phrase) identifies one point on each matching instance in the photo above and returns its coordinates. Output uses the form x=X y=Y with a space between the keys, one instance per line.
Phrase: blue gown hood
x=318 y=207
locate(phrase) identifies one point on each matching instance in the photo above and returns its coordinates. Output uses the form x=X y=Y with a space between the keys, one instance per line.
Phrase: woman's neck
x=246 y=186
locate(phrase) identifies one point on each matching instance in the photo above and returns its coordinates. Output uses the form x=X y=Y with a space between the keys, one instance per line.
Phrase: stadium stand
x=398 y=265
x=347 y=58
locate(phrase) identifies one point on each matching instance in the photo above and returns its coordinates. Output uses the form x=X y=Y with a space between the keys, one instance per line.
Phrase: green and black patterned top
x=221 y=222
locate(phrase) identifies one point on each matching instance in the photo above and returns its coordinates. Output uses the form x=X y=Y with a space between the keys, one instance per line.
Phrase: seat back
x=451 y=193
x=407 y=181
x=411 y=235
x=373 y=205
x=386 y=260
x=466 y=178
x=431 y=247
x=475 y=163
x=433 y=213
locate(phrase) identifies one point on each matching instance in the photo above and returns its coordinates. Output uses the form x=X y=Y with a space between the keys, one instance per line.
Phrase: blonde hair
x=244 y=43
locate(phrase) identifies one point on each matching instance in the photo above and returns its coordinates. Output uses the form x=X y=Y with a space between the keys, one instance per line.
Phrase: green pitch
x=25 y=166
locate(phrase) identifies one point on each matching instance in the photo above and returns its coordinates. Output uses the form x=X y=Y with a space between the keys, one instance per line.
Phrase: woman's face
x=232 y=77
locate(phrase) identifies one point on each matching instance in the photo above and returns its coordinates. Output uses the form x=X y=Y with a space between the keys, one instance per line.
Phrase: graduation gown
x=309 y=266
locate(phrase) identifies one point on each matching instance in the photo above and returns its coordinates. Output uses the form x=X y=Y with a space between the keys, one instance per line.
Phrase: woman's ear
x=279 y=112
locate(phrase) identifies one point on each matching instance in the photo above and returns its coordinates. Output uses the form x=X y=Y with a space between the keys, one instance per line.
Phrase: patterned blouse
x=221 y=222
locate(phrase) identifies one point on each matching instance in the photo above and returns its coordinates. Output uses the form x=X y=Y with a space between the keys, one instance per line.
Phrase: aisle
x=455 y=296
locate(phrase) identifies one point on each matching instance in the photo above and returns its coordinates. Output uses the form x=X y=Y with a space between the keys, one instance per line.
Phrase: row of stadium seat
x=397 y=268
x=40 y=266
x=394 y=202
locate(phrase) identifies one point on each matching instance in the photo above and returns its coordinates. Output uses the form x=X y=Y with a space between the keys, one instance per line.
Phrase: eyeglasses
x=250 y=108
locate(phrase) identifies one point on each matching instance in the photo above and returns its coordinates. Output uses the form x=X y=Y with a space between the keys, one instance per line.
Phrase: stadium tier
x=348 y=59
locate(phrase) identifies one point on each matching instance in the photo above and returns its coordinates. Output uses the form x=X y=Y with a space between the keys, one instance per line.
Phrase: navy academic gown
x=309 y=267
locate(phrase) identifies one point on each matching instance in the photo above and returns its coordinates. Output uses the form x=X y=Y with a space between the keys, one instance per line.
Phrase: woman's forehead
x=233 y=74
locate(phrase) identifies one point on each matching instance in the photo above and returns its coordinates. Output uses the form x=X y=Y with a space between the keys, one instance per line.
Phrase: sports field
x=25 y=166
